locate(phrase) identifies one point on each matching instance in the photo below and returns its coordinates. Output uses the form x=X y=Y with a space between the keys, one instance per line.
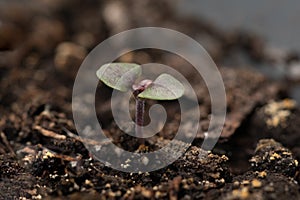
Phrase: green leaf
x=165 y=87
x=119 y=76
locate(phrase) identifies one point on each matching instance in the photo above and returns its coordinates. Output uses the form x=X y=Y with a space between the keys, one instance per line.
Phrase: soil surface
x=42 y=45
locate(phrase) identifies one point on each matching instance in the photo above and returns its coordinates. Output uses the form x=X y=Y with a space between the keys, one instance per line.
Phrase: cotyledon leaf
x=165 y=87
x=119 y=76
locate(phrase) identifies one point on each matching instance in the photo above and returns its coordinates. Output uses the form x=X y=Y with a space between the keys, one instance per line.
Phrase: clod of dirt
x=15 y=182
x=242 y=98
x=191 y=176
x=252 y=186
x=279 y=120
x=271 y=176
x=272 y=156
x=277 y=113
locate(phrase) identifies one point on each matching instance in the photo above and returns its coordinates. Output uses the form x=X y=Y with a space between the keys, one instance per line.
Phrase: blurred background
x=275 y=21
x=43 y=42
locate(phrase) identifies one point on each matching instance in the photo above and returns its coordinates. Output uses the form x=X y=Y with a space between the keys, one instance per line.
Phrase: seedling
x=122 y=77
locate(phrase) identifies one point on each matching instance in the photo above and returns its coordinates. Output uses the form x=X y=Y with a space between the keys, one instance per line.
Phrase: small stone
x=296 y=163
x=158 y=194
x=111 y=194
x=269 y=188
x=74 y=163
x=145 y=160
x=118 y=193
x=216 y=175
x=275 y=156
x=37 y=197
x=222 y=180
x=277 y=113
x=88 y=182
x=47 y=154
x=245 y=182
x=236 y=184
x=262 y=174
x=225 y=158
x=146 y=193
x=240 y=194
x=256 y=183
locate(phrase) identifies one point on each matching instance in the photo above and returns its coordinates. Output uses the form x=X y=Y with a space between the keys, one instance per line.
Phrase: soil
x=43 y=43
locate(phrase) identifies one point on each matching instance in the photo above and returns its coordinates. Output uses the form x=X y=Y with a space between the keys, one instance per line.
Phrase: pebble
x=245 y=182
x=256 y=183
x=145 y=160
x=146 y=193
x=262 y=174
x=240 y=194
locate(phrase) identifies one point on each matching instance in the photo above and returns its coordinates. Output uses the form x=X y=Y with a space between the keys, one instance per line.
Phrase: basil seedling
x=122 y=77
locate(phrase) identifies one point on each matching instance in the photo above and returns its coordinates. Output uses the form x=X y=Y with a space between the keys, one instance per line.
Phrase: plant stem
x=139 y=118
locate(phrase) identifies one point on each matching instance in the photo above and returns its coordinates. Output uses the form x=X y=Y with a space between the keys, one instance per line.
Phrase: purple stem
x=139 y=118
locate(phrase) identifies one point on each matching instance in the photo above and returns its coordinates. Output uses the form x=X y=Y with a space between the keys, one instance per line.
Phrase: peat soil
x=43 y=43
